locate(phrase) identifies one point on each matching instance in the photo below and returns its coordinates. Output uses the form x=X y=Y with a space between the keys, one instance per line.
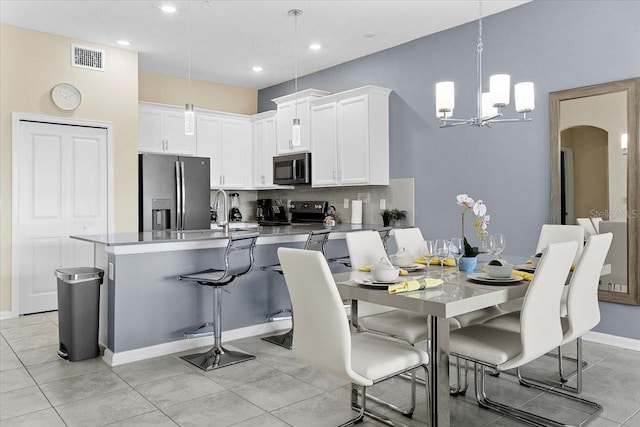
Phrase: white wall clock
x=66 y=96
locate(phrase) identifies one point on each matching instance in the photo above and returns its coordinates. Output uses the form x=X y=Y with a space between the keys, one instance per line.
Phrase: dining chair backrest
x=596 y=220
x=589 y=229
x=410 y=239
x=555 y=233
x=540 y=328
x=321 y=336
x=583 y=311
x=365 y=248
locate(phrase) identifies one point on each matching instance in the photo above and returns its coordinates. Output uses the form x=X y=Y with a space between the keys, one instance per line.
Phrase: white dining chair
x=589 y=229
x=410 y=239
x=540 y=332
x=583 y=311
x=323 y=339
x=596 y=220
x=617 y=257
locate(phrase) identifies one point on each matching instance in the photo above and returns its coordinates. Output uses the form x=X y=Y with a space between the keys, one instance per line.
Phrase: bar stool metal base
x=217 y=358
x=283 y=340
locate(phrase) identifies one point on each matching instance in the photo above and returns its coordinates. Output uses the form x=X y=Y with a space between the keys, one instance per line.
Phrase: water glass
x=457 y=249
x=428 y=251
x=487 y=246
x=499 y=244
x=442 y=251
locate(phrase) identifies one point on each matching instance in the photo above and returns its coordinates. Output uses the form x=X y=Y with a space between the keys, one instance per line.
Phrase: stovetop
x=308 y=211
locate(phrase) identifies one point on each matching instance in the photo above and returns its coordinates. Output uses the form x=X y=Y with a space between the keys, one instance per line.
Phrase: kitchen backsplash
x=399 y=194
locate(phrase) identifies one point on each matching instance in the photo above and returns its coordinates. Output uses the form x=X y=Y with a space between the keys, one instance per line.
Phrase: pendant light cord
x=295 y=58
x=189 y=47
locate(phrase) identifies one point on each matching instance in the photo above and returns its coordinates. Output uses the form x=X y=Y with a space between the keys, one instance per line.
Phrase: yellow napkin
x=523 y=274
x=367 y=268
x=435 y=261
x=415 y=285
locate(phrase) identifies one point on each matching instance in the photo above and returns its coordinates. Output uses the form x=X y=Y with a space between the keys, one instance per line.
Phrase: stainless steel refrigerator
x=173 y=192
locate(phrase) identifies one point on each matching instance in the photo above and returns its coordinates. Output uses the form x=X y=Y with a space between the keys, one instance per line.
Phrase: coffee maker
x=270 y=211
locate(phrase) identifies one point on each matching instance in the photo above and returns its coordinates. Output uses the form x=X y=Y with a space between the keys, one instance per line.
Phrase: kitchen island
x=144 y=309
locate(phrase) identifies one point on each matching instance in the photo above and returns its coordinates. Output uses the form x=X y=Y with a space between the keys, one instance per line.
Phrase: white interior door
x=61 y=191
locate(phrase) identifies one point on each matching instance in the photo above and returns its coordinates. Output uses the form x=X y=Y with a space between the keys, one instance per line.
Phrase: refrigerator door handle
x=179 y=188
x=184 y=196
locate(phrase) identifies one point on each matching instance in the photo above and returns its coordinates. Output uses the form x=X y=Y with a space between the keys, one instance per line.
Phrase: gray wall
x=557 y=45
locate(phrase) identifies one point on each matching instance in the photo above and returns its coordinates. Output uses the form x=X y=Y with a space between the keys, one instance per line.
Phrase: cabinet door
x=324 y=144
x=264 y=149
x=353 y=140
x=177 y=141
x=284 y=118
x=235 y=155
x=208 y=145
x=150 y=137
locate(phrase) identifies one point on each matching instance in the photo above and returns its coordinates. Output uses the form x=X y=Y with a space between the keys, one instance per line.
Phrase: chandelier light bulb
x=488 y=110
x=524 y=97
x=189 y=120
x=445 y=99
x=499 y=87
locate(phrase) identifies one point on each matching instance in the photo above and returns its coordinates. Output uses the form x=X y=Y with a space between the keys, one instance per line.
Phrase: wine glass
x=428 y=251
x=442 y=251
x=457 y=250
x=499 y=244
x=487 y=246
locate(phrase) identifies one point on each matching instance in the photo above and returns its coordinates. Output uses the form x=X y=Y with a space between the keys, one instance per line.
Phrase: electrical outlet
x=346 y=204
x=383 y=203
x=365 y=197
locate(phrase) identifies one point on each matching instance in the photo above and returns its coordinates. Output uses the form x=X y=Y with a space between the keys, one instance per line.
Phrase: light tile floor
x=36 y=388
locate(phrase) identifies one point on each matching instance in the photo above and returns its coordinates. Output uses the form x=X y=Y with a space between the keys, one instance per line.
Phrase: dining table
x=457 y=295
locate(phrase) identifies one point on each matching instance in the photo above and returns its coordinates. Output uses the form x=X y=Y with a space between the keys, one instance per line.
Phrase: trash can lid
x=79 y=274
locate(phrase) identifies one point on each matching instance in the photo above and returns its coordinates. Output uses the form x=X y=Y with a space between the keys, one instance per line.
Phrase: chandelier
x=489 y=104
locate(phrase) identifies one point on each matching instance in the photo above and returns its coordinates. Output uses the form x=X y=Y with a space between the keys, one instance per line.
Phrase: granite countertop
x=167 y=236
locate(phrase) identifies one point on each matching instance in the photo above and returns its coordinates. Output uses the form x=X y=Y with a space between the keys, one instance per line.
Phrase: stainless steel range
x=305 y=212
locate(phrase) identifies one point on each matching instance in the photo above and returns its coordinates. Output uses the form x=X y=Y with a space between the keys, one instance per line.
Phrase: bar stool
x=316 y=241
x=238 y=260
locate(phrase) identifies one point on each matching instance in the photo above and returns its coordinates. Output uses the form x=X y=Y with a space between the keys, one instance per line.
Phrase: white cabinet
x=226 y=140
x=161 y=130
x=288 y=107
x=264 y=144
x=350 y=138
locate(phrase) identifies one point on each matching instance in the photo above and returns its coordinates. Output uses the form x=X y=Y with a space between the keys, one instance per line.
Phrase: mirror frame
x=632 y=88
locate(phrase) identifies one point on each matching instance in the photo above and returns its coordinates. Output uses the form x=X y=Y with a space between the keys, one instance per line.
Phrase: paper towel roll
x=356 y=212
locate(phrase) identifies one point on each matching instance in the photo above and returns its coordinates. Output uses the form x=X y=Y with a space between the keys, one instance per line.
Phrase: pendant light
x=189 y=116
x=295 y=128
x=488 y=104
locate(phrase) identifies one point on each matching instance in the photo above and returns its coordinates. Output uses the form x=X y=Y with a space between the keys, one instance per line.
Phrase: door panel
x=62 y=190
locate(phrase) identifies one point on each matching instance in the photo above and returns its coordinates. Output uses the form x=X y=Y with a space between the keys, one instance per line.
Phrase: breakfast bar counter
x=144 y=309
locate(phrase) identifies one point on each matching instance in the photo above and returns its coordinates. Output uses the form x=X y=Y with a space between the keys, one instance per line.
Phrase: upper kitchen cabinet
x=288 y=106
x=226 y=140
x=161 y=130
x=264 y=144
x=350 y=138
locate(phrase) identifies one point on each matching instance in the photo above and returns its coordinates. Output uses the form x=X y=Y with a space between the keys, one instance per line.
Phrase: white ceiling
x=228 y=37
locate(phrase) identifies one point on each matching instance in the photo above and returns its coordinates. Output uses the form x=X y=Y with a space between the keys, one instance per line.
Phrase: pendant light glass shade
x=524 y=97
x=189 y=120
x=488 y=110
x=499 y=88
x=445 y=99
x=295 y=132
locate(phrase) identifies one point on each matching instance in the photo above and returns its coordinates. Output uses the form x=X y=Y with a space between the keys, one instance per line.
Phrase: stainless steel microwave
x=292 y=169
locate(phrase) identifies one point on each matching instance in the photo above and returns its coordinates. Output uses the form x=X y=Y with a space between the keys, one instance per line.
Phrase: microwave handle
x=295 y=169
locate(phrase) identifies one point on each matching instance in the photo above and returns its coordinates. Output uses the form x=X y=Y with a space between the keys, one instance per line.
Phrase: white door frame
x=15 y=123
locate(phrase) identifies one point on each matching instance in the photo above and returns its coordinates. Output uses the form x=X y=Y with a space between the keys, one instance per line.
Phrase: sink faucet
x=224 y=214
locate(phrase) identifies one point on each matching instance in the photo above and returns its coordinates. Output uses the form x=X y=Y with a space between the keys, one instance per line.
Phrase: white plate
x=412 y=267
x=529 y=268
x=371 y=282
x=484 y=278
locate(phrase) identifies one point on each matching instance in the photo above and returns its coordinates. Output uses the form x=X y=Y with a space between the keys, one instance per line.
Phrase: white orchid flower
x=479 y=208
x=464 y=200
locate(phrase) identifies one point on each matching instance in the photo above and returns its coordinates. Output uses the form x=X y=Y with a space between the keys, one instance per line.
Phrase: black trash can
x=78 y=312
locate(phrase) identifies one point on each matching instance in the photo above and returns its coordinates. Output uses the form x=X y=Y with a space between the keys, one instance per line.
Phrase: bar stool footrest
x=204 y=330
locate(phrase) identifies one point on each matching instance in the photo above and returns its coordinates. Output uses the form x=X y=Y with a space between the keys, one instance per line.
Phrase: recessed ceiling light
x=257 y=68
x=124 y=42
x=168 y=8
x=315 y=46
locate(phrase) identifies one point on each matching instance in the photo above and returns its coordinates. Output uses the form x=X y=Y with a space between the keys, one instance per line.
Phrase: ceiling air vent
x=85 y=57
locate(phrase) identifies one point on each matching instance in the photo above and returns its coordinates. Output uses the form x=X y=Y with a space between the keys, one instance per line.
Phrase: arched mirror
x=595 y=151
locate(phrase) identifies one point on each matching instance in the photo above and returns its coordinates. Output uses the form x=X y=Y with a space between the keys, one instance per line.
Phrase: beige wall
x=211 y=96
x=31 y=63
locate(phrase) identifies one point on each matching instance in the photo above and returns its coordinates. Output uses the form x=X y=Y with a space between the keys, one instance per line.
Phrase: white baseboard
x=7 y=315
x=122 y=357
x=612 y=340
